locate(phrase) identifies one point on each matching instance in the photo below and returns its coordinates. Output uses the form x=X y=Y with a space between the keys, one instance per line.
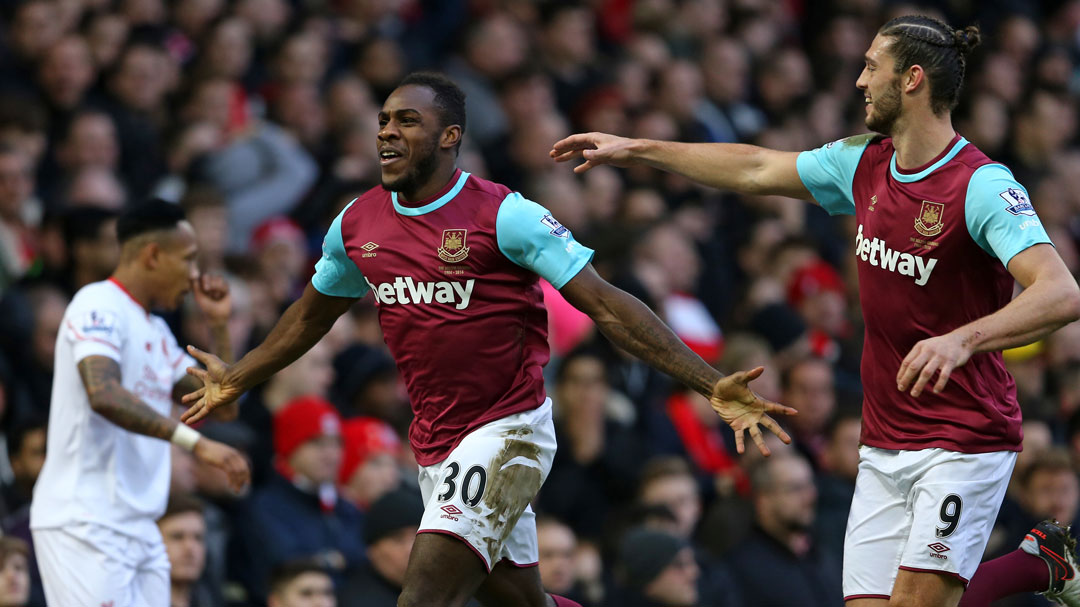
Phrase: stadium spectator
x=14 y=573
x=369 y=466
x=835 y=480
x=389 y=530
x=656 y=569
x=300 y=505
x=596 y=468
x=301 y=584
x=808 y=383
x=781 y=543
x=183 y=529
x=311 y=375
x=559 y=560
x=17 y=246
x=26 y=453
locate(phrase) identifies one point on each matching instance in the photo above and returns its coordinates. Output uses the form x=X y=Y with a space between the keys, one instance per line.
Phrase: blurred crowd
x=258 y=118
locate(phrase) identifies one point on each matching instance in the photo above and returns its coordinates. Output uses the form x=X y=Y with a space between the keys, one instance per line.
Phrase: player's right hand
x=744 y=410
x=225 y=457
x=596 y=149
x=215 y=391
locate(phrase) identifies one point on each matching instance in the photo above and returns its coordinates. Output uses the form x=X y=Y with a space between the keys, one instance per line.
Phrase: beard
x=417 y=175
x=885 y=110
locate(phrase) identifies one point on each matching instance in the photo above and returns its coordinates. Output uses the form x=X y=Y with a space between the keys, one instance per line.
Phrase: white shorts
x=92 y=565
x=929 y=510
x=481 y=492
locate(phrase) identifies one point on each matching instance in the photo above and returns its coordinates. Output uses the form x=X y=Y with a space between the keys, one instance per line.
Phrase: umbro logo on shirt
x=369 y=249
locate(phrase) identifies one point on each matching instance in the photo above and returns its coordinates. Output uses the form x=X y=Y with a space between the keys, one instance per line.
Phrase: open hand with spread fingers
x=744 y=410
x=596 y=149
x=215 y=391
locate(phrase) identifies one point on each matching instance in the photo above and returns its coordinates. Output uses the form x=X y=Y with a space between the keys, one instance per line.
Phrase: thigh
x=925 y=589
x=442 y=572
x=481 y=492
x=877 y=530
x=86 y=568
x=954 y=505
x=509 y=584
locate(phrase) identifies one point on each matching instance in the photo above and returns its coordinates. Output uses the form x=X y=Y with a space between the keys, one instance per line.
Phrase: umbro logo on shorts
x=451 y=511
x=938 y=548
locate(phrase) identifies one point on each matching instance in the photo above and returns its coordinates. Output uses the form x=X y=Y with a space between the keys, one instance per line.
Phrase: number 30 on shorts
x=472 y=484
x=950 y=514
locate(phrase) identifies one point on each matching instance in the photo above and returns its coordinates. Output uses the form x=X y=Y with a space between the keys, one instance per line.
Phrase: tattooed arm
x=632 y=326
x=108 y=398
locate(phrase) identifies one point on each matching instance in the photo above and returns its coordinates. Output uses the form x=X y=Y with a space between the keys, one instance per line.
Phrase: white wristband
x=185 y=436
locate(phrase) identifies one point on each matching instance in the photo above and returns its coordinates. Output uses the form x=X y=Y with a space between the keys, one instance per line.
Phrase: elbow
x=1071 y=305
x=99 y=405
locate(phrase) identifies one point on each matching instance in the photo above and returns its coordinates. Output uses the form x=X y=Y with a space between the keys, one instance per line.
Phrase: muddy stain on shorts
x=514 y=481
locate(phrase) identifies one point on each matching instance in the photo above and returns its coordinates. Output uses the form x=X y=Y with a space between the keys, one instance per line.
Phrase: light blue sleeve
x=999 y=214
x=829 y=170
x=530 y=237
x=335 y=274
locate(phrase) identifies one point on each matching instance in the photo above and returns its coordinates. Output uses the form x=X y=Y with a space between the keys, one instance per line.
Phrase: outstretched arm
x=1050 y=300
x=630 y=324
x=741 y=168
x=306 y=321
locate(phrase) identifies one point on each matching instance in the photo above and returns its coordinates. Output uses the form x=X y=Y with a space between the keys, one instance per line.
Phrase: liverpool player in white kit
x=943 y=235
x=118 y=372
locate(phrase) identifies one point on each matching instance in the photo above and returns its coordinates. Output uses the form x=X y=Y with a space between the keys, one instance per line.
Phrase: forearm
x=632 y=326
x=108 y=398
x=295 y=333
x=742 y=168
x=1037 y=312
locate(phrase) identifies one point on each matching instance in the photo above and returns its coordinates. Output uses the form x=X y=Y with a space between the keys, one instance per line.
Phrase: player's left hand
x=938 y=355
x=743 y=409
x=211 y=293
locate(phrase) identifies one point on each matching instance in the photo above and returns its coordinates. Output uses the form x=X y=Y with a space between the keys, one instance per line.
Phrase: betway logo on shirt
x=878 y=254
x=404 y=290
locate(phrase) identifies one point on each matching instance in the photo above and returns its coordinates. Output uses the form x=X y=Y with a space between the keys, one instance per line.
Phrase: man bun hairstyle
x=940 y=50
x=449 y=98
x=150 y=216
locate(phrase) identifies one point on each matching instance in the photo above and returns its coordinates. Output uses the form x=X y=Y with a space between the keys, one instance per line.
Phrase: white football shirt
x=95 y=471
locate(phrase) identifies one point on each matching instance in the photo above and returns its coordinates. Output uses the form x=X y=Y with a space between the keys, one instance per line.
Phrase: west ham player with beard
x=943 y=234
x=454 y=263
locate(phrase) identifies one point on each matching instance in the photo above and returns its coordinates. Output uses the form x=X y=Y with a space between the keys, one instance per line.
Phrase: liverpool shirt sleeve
x=335 y=273
x=530 y=237
x=94 y=328
x=999 y=214
x=828 y=173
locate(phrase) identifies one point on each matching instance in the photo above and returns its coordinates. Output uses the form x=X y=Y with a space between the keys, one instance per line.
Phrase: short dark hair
x=283 y=574
x=449 y=98
x=152 y=215
x=182 y=503
x=939 y=49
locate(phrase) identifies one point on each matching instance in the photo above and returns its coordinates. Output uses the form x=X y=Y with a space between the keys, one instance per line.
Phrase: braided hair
x=940 y=50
